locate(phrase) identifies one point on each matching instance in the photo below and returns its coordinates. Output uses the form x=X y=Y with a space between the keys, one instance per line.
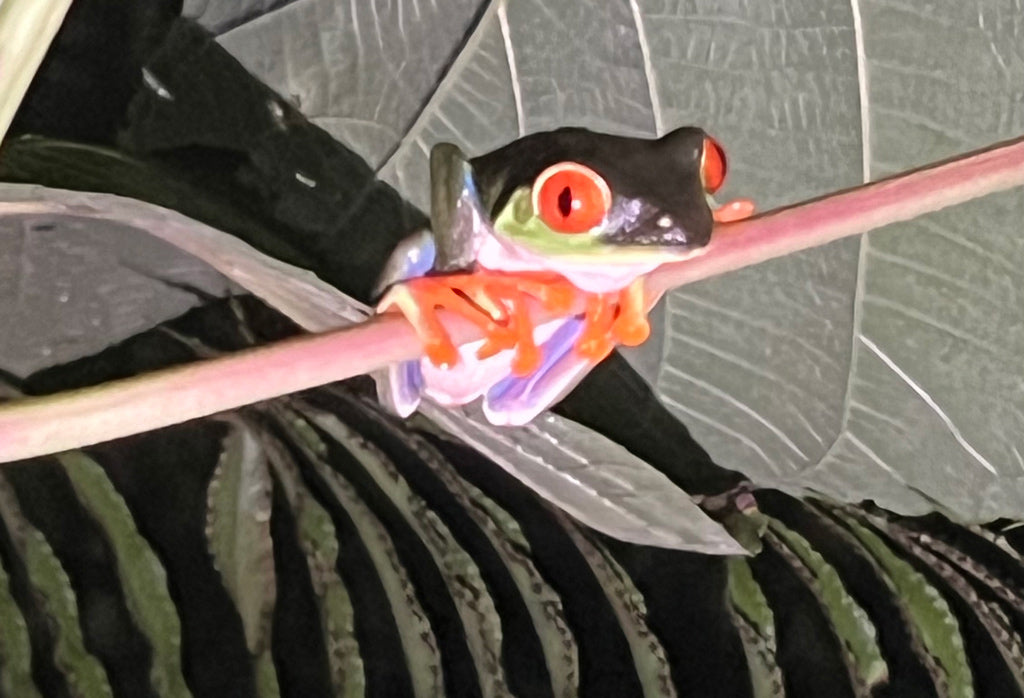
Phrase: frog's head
x=580 y=195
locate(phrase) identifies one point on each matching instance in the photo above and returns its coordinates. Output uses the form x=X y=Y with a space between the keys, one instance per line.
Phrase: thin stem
x=36 y=426
x=851 y=212
x=39 y=425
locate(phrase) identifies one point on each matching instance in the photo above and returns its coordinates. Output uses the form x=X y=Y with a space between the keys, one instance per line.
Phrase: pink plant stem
x=39 y=425
x=851 y=212
x=32 y=427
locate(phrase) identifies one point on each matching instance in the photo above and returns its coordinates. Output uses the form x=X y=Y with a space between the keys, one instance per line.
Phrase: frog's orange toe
x=595 y=341
x=526 y=360
x=498 y=339
x=595 y=348
x=735 y=210
x=631 y=331
x=441 y=352
x=631 y=326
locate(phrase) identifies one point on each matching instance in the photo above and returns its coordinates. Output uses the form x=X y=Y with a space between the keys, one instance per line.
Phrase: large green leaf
x=143 y=578
x=82 y=671
x=15 y=652
x=238 y=510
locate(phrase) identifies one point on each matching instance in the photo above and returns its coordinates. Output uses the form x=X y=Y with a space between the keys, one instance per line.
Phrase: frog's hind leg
x=400 y=387
x=516 y=400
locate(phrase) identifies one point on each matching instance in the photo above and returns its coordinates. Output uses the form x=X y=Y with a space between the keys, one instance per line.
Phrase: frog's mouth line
x=651 y=236
x=636 y=225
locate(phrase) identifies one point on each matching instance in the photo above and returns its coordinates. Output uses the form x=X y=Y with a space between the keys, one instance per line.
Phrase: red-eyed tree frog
x=552 y=218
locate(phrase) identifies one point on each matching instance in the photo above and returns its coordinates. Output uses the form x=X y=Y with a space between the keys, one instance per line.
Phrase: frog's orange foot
x=512 y=291
x=612 y=318
x=631 y=332
x=417 y=300
x=595 y=348
x=735 y=210
x=526 y=360
x=495 y=302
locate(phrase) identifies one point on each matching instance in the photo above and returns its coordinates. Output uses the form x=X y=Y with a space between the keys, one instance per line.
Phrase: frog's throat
x=500 y=253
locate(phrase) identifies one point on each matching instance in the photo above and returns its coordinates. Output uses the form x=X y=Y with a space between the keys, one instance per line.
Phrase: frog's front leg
x=595 y=341
x=611 y=318
x=497 y=302
x=418 y=300
x=631 y=326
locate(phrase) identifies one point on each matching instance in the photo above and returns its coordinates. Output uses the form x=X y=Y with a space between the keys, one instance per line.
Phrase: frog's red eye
x=712 y=165
x=571 y=198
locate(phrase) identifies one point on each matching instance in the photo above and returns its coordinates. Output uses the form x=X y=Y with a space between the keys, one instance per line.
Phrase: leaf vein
x=954 y=430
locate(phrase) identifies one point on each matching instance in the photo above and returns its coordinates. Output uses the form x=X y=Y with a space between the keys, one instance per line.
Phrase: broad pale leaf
x=60 y=241
x=594 y=479
x=49 y=265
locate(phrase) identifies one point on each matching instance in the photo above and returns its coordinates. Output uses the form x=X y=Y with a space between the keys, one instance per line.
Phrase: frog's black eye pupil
x=565 y=202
